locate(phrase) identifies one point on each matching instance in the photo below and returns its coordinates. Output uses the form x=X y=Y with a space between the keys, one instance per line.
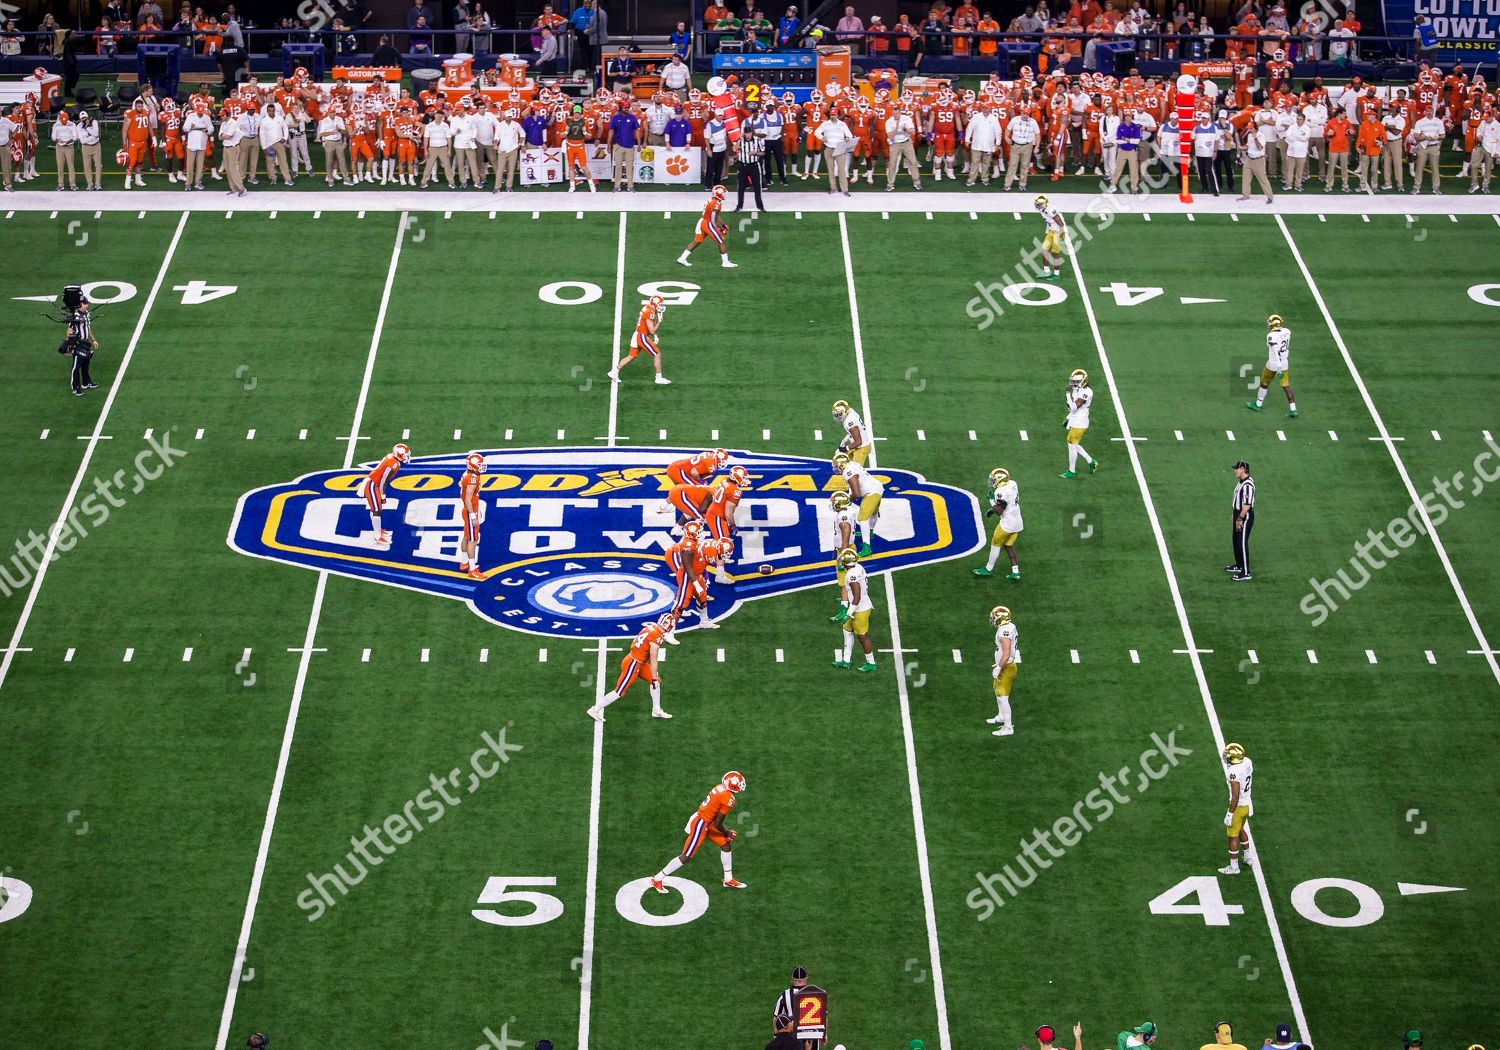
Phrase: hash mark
x=508 y=434
x=661 y=435
x=457 y=434
x=1074 y=654
x=921 y=435
x=1229 y=434
x=780 y=656
x=1281 y=435
x=44 y=434
x=713 y=435
x=541 y=655
x=199 y=435
x=973 y=436
x=1370 y=655
x=1430 y=657
x=302 y=434
x=1436 y=436
x=484 y=656
x=561 y=434
x=1333 y=435
x=1135 y=656
x=817 y=435
x=1312 y=657
x=719 y=656
x=250 y=434
x=364 y=657
x=68 y=656
x=1254 y=657
x=129 y=655
x=187 y=654
x=425 y=654
x=765 y=435
x=1177 y=434
x=1024 y=436
x=958 y=656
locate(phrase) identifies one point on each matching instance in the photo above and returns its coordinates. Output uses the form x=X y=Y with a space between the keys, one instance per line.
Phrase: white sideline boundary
x=919 y=823
x=783 y=203
x=226 y=1018
x=94 y=438
x=596 y=774
x=1385 y=437
x=1189 y=642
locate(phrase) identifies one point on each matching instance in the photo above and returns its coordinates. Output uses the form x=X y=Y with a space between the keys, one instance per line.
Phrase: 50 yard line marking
x=88 y=455
x=1187 y=633
x=1390 y=444
x=919 y=824
x=596 y=772
x=282 y=759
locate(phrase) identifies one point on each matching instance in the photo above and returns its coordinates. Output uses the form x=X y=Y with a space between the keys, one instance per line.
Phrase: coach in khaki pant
x=838 y=144
x=88 y=149
x=64 y=138
x=1486 y=152
x=330 y=135
x=439 y=138
x=1022 y=134
x=232 y=137
x=1427 y=136
x=1391 y=158
x=507 y=149
x=8 y=129
x=1255 y=165
x=900 y=130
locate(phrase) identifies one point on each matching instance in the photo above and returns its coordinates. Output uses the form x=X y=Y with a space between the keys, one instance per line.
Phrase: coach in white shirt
x=232 y=138
x=901 y=134
x=1486 y=152
x=1294 y=141
x=330 y=136
x=485 y=125
x=655 y=118
x=675 y=76
x=197 y=127
x=838 y=143
x=273 y=143
x=1022 y=133
x=1427 y=137
x=982 y=133
x=1255 y=163
x=1276 y=146
x=508 y=139
x=1317 y=124
x=1391 y=158
x=250 y=146
x=64 y=137
x=439 y=138
x=88 y=147
x=465 y=157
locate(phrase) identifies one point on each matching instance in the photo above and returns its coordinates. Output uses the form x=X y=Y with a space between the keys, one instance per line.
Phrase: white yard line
x=1190 y=644
x=88 y=455
x=304 y=661
x=918 y=821
x=596 y=773
x=1390 y=444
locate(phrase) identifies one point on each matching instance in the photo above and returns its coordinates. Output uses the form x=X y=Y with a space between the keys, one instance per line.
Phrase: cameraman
x=81 y=344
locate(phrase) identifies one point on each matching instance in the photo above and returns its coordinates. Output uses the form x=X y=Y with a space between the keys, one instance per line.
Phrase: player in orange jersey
x=710 y=226
x=137 y=140
x=644 y=338
x=707 y=822
x=640 y=662
x=944 y=124
x=690 y=502
x=373 y=489
x=814 y=113
x=682 y=559
x=694 y=470
x=471 y=509
x=173 y=149
x=726 y=500
x=362 y=145
x=408 y=134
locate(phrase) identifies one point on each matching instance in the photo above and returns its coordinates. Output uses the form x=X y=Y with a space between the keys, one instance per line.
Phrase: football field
x=259 y=776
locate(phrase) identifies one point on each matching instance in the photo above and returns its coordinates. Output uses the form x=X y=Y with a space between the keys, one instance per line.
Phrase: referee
x=752 y=148
x=784 y=1017
x=81 y=344
x=1244 y=521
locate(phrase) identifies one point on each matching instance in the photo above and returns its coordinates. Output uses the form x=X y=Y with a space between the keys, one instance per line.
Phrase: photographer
x=80 y=341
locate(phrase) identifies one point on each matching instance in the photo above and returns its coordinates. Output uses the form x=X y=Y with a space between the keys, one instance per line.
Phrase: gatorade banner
x=1465 y=30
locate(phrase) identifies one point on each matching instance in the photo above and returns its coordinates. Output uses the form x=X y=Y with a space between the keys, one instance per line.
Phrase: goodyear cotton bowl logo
x=573 y=538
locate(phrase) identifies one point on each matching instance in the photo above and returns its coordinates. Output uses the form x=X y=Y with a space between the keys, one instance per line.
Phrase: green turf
x=171 y=763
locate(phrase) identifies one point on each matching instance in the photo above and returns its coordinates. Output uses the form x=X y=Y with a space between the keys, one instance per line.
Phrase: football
x=765 y=570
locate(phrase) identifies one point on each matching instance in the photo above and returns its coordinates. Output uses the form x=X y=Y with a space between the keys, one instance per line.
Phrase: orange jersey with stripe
x=468 y=491
x=701 y=465
x=726 y=498
x=384 y=471
x=137 y=127
x=717 y=805
x=711 y=214
x=641 y=645
x=648 y=312
x=171 y=124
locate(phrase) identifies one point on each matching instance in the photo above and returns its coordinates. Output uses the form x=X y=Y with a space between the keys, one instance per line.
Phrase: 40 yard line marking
x=596 y=770
x=1390 y=444
x=1187 y=631
x=918 y=822
x=88 y=454
x=303 y=662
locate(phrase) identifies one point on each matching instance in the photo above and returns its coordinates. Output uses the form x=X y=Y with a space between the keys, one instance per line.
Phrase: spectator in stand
x=906 y=35
x=989 y=36
x=546 y=56
x=623 y=136
x=106 y=42
x=581 y=20
x=877 y=44
x=418 y=10
x=384 y=54
x=754 y=43
x=10 y=39
x=850 y=31
x=934 y=37
x=598 y=32
x=1030 y=23
x=963 y=40
x=480 y=24
x=419 y=40
x=148 y=9
x=681 y=41
x=786 y=27
x=676 y=76
x=1338 y=43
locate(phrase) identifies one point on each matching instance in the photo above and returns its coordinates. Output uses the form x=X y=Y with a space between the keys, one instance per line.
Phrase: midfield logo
x=572 y=539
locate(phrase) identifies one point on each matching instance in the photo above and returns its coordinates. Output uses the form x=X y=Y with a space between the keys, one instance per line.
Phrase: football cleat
x=1274 y=322
x=1234 y=753
x=840 y=409
x=840 y=461
x=999 y=476
x=656 y=884
x=999 y=615
x=402 y=452
x=1078 y=377
x=740 y=476
x=475 y=462
x=847 y=557
x=474 y=573
x=734 y=781
x=735 y=884
x=720 y=193
x=839 y=500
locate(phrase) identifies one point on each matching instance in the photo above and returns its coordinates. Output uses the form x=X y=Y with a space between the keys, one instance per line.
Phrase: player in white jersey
x=1007 y=659
x=1005 y=500
x=866 y=491
x=1078 y=397
x=1278 y=362
x=856 y=616
x=858 y=441
x=1052 y=239
x=1238 y=772
x=845 y=529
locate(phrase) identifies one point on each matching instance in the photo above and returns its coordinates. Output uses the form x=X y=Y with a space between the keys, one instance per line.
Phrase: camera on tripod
x=72 y=298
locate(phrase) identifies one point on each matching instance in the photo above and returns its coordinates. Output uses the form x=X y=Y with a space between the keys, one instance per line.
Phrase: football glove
x=991 y=511
x=843 y=616
x=1228 y=819
x=732 y=835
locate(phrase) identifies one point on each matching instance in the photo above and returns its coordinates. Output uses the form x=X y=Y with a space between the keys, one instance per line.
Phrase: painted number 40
x=1200 y=895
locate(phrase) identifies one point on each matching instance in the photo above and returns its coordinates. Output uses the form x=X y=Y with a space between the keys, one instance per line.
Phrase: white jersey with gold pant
x=860 y=451
x=1009 y=529
x=870 y=491
x=1005 y=674
x=1078 y=399
x=1278 y=363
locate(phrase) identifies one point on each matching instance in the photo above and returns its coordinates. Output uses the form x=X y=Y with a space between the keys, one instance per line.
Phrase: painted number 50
x=543 y=907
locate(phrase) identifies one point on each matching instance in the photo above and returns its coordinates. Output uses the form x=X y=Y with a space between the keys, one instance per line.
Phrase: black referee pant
x=1208 y=178
x=1241 y=540
x=750 y=179
x=713 y=172
x=80 y=379
x=774 y=153
x=1224 y=167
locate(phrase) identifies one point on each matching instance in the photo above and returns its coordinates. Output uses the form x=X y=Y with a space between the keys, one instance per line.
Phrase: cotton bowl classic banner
x=573 y=538
x=1466 y=30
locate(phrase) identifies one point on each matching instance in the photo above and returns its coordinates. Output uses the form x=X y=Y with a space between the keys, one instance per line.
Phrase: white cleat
x=997 y=720
x=596 y=713
x=708 y=625
x=670 y=638
x=662 y=381
x=729 y=265
x=683 y=260
x=660 y=714
x=1004 y=730
x=1230 y=869
x=613 y=375
x=735 y=884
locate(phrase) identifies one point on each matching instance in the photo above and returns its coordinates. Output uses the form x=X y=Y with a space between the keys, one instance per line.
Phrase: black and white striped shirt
x=1244 y=494
x=752 y=142
x=81 y=327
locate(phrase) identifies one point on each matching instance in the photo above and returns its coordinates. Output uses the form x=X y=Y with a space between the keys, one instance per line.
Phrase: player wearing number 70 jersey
x=708 y=823
x=710 y=227
x=373 y=489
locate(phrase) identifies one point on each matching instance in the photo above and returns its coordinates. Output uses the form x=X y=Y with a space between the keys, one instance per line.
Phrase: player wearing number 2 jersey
x=708 y=823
